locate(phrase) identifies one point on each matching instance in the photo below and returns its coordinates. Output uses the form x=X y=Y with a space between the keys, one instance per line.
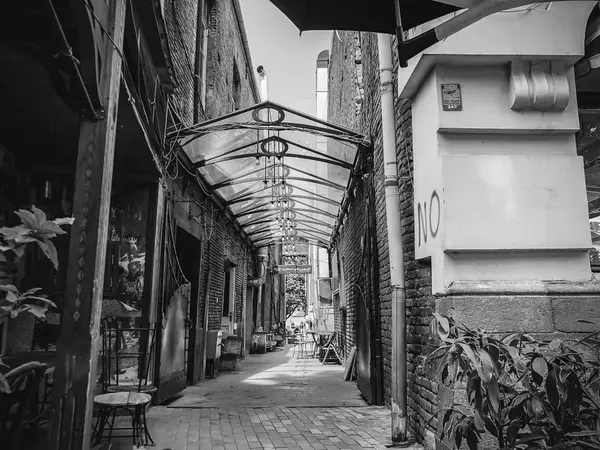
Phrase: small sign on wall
x=451 y=97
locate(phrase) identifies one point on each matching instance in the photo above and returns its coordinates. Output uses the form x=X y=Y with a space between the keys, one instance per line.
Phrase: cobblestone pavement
x=273 y=401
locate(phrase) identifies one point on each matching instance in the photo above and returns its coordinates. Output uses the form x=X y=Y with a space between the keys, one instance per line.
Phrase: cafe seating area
x=317 y=345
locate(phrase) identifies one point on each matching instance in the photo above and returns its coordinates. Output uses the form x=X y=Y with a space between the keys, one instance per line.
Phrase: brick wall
x=181 y=21
x=230 y=86
x=349 y=77
x=229 y=68
x=230 y=71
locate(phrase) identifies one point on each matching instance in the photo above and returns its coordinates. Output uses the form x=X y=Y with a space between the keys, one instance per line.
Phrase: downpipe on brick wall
x=396 y=252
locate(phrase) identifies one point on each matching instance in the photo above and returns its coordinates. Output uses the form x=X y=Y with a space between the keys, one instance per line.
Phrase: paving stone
x=213 y=416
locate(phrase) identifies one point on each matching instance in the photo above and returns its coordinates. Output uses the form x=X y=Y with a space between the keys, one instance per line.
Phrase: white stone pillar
x=500 y=199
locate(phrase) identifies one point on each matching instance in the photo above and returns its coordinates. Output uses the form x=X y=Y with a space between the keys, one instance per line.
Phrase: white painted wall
x=499 y=190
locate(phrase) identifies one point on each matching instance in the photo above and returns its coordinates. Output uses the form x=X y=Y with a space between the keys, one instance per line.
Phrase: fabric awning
x=373 y=15
x=281 y=173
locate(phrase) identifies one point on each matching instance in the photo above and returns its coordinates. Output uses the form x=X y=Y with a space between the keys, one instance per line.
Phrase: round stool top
x=123 y=399
x=145 y=389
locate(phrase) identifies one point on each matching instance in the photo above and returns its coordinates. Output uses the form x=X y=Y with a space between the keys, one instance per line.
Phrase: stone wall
x=355 y=102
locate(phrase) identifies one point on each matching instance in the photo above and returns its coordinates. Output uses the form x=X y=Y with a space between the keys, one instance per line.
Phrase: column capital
x=541 y=32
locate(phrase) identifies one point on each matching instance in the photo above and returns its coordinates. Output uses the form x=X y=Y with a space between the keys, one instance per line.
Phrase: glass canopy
x=282 y=173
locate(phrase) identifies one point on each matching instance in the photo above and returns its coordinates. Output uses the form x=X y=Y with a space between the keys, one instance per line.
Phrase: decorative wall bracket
x=538 y=86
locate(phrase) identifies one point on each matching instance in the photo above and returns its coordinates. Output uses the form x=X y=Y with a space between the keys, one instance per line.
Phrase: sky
x=289 y=59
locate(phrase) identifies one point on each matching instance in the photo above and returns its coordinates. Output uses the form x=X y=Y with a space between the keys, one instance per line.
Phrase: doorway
x=189 y=251
x=228 y=316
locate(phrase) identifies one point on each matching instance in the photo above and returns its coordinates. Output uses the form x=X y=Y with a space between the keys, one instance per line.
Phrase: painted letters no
x=428 y=217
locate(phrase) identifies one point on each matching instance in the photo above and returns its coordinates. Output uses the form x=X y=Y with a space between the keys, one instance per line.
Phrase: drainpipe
x=396 y=252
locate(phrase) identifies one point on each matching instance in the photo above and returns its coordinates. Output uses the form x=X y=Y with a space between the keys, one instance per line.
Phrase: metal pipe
x=396 y=252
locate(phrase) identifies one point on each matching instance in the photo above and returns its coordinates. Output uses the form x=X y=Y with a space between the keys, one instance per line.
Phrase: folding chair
x=330 y=345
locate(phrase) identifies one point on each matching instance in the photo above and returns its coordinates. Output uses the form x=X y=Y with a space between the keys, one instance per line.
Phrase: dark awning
x=363 y=15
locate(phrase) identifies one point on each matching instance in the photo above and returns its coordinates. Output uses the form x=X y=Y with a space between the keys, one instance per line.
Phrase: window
x=236 y=87
x=204 y=8
x=342 y=283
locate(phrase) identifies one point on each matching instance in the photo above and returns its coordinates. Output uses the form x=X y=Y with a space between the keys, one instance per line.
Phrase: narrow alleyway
x=274 y=401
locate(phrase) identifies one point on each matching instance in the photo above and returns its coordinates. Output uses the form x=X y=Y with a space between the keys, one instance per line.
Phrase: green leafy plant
x=526 y=393
x=295 y=287
x=34 y=228
x=18 y=302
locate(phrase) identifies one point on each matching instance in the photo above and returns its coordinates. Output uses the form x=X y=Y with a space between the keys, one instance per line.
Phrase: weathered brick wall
x=229 y=67
x=181 y=20
x=227 y=55
x=353 y=231
x=420 y=303
x=222 y=243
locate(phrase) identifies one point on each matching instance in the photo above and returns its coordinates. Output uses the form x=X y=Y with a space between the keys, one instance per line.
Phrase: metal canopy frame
x=284 y=176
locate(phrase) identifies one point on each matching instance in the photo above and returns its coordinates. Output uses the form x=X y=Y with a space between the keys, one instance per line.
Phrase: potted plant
x=35 y=229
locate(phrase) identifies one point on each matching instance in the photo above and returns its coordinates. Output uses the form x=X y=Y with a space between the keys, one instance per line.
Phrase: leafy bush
x=526 y=393
x=34 y=229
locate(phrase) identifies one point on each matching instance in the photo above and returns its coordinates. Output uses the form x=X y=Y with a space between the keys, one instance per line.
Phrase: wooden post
x=78 y=345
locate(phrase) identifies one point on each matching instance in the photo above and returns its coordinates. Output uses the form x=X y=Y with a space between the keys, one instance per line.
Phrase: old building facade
x=177 y=262
x=450 y=265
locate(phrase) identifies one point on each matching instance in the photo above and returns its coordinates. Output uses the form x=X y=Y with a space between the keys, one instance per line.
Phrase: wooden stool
x=134 y=403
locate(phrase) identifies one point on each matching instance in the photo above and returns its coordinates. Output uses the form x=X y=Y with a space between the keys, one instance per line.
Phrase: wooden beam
x=77 y=348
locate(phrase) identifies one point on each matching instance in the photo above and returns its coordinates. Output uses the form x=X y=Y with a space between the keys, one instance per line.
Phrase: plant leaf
x=457 y=438
x=64 y=221
x=587 y=444
x=443 y=326
x=487 y=365
x=491 y=426
x=12 y=233
x=28 y=218
x=552 y=389
x=9 y=288
x=494 y=395
x=540 y=366
x=512 y=431
x=555 y=344
x=583 y=433
x=475 y=363
x=38 y=311
x=537 y=407
x=4 y=386
x=479 y=422
x=49 y=250
x=472 y=441
x=40 y=216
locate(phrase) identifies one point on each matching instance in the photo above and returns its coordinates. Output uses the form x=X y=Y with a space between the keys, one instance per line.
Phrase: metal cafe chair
x=128 y=395
x=23 y=384
x=301 y=349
